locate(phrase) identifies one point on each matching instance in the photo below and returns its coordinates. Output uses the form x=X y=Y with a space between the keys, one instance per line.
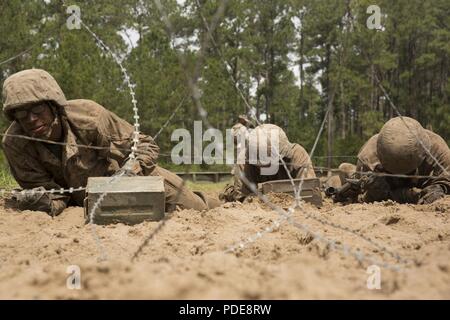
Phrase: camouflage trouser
x=346 y=171
x=231 y=193
x=178 y=195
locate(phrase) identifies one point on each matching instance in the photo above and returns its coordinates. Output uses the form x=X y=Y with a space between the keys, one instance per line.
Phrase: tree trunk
x=330 y=107
x=301 y=73
x=343 y=113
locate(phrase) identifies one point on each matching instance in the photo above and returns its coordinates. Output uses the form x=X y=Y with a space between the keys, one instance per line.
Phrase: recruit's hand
x=431 y=194
x=38 y=199
x=144 y=150
x=130 y=168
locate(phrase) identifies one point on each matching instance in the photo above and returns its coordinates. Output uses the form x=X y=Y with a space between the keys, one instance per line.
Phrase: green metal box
x=310 y=189
x=128 y=200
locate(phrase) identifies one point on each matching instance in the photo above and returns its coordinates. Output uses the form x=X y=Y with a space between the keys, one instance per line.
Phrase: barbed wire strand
x=136 y=126
x=4 y=192
x=236 y=85
x=427 y=150
x=195 y=95
x=300 y=184
x=228 y=67
x=203 y=113
x=192 y=83
x=360 y=257
x=277 y=223
x=169 y=119
x=422 y=144
x=18 y=55
x=135 y=139
x=396 y=110
x=85 y=146
x=160 y=225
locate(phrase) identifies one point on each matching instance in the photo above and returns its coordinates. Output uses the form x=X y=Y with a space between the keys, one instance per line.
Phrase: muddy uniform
x=297 y=162
x=84 y=122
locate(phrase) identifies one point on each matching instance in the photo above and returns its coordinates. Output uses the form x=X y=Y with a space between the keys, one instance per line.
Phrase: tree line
x=286 y=61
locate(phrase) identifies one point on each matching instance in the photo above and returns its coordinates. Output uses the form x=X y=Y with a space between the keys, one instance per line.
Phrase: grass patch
x=207 y=186
x=195 y=167
x=7 y=181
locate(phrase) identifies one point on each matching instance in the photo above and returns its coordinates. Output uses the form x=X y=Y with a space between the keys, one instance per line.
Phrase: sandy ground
x=186 y=259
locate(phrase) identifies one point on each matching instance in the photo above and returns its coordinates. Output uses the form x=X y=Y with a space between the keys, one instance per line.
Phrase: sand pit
x=186 y=260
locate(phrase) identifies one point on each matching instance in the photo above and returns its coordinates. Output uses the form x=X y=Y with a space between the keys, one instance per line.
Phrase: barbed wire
x=19 y=136
x=203 y=113
x=160 y=225
x=297 y=191
x=345 y=249
x=169 y=119
x=192 y=86
x=196 y=97
x=61 y=191
x=135 y=137
x=85 y=146
x=192 y=81
x=4 y=192
x=18 y=55
x=287 y=217
x=195 y=94
x=380 y=174
x=236 y=85
x=444 y=170
x=396 y=110
x=131 y=86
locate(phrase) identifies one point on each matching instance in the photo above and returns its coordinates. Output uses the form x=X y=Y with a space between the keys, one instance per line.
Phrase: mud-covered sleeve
x=361 y=167
x=240 y=184
x=238 y=190
x=441 y=152
x=301 y=164
x=368 y=160
x=30 y=173
x=117 y=134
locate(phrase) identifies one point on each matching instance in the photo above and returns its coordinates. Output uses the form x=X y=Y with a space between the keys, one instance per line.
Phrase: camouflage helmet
x=244 y=120
x=237 y=129
x=268 y=132
x=398 y=146
x=28 y=87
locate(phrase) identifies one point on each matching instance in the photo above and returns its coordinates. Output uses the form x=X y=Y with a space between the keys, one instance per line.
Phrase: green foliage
x=263 y=43
x=371 y=122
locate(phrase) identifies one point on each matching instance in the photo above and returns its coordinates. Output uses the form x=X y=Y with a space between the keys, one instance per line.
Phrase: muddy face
x=36 y=119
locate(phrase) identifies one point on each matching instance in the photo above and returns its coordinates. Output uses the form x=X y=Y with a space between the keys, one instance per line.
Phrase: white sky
x=131 y=38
